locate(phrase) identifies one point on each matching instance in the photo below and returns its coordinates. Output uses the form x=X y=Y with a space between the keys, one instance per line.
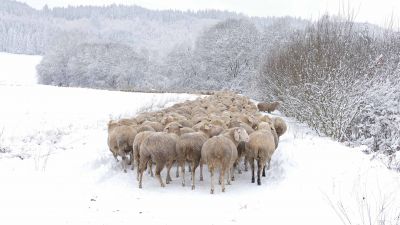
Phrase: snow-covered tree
x=226 y=53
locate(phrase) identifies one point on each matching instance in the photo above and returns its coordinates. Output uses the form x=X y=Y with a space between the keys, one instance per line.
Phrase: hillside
x=55 y=168
x=29 y=31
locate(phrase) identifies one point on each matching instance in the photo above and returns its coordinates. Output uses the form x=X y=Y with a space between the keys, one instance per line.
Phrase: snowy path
x=68 y=175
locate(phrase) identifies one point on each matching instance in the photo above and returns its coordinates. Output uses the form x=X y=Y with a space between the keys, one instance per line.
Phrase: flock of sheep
x=219 y=130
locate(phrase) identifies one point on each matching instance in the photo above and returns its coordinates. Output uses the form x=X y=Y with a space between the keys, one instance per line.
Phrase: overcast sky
x=374 y=11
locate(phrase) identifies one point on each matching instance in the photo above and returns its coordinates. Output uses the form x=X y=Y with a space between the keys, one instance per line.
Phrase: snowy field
x=55 y=168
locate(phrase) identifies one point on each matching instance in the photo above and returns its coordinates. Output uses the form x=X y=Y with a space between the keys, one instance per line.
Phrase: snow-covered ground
x=18 y=69
x=55 y=167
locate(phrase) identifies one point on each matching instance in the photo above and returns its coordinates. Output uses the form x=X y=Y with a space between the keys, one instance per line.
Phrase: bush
x=331 y=76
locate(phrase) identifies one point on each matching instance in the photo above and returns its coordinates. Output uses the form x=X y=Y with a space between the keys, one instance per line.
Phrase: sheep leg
x=252 y=170
x=237 y=165
x=159 y=167
x=138 y=171
x=177 y=169
x=137 y=161
x=140 y=179
x=169 y=166
x=229 y=176
x=246 y=164
x=123 y=161
x=194 y=166
x=259 y=169
x=142 y=167
x=132 y=161
x=232 y=172
x=151 y=168
x=222 y=174
x=263 y=171
x=269 y=163
x=115 y=155
x=201 y=171
x=182 y=165
x=212 y=179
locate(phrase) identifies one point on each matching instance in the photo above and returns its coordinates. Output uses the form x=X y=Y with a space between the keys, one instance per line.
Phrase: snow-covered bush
x=335 y=76
x=378 y=124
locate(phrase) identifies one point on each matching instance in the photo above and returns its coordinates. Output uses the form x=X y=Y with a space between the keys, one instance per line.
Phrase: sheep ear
x=236 y=135
x=180 y=126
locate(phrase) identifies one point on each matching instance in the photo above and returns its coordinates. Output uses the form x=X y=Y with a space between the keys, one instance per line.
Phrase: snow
x=55 y=167
x=18 y=69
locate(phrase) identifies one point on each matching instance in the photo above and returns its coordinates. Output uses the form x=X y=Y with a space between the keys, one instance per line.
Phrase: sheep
x=188 y=148
x=128 y=122
x=160 y=147
x=120 y=139
x=111 y=125
x=142 y=128
x=214 y=129
x=155 y=125
x=198 y=125
x=235 y=123
x=219 y=152
x=212 y=109
x=269 y=126
x=223 y=117
x=185 y=123
x=173 y=127
x=171 y=116
x=193 y=148
x=219 y=122
x=263 y=118
x=267 y=107
x=184 y=110
x=136 y=150
x=280 y=126
x=252 y=108
x=233 y=109
x=198 y=118
x=237 y=135
x=260 y=147
x=185 y=130
x=249 y=120
x=167 y=119
x=142 y=117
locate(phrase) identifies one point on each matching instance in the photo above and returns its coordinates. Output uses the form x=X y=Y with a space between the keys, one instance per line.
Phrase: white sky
x=373 y=11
